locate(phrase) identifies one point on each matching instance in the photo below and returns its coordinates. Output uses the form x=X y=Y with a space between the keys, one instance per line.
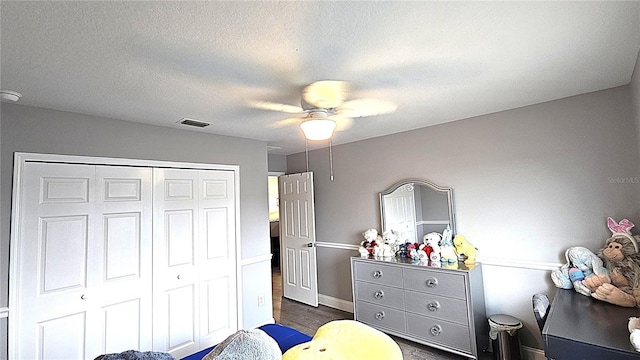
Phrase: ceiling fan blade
x=286 y=122
x=268 y=105
x=342 y=122
x=326 y=94
x=366 y=107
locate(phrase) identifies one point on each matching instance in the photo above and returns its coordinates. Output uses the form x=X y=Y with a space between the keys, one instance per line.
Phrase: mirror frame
x=444 y=189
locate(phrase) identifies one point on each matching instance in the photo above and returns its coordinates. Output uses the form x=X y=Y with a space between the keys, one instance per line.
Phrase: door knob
x=311 y=244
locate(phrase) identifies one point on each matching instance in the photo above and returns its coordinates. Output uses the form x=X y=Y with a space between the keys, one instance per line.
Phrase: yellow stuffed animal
x=346 y=340
x=464 y=248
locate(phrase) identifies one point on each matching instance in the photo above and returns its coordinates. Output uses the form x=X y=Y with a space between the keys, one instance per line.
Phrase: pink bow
x=623 y=227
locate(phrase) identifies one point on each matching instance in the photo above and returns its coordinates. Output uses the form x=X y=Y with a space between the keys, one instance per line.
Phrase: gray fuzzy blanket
x=136 y=355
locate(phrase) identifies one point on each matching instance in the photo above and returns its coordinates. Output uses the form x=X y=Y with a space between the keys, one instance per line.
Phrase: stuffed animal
x=622 y=260
x=369 y=242
x=464 y=248
x=424 y=251
x=432 y=240
x=581 y=263
x=370 y=235
x=447 y=250
x=634 y=332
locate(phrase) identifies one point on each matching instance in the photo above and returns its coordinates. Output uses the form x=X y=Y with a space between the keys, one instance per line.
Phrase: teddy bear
x=621 y=258
x=581 y=263
x=432 y=240
x=390 y=237
x=383 y=250
x=463 y=247
x=369 y=243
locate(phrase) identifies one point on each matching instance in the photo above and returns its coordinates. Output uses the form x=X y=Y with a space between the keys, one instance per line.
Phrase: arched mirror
x=414 y=207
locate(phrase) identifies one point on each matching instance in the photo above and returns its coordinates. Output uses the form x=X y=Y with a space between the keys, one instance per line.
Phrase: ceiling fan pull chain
x=331 y=159
x=306 y=151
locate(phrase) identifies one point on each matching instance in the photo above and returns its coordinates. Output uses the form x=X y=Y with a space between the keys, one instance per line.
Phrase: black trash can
x=505 y=340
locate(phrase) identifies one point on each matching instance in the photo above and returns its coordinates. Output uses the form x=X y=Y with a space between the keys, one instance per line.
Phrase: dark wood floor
x=308 y=319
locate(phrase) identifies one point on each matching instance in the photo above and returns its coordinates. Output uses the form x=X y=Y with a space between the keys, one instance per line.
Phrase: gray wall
x=277 y=163
x=528 y=183
x=27 y=129
x=635 y=93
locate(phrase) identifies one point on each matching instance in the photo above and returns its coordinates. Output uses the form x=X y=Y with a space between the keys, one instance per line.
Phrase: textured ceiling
x=157 y=62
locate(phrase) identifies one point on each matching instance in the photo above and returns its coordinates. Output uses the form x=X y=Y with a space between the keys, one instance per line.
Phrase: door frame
x=21 y=158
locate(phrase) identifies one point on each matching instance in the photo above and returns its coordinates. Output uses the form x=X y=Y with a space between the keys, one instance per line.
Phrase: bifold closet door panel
x=125 y=278
x=217 y=256
x=195 y=302
x=84 y=267
x=175 y=315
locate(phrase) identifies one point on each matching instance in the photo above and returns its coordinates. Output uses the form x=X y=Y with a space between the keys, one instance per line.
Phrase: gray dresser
x=442 y=307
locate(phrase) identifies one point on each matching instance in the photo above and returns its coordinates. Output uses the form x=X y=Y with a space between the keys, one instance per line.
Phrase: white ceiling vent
x=194 y=123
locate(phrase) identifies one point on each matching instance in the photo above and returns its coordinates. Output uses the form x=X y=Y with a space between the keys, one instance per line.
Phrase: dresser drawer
x=453 y=310
x=380 y=316
x=435 y=282
x=378 y=273
x=438 y=331
x=380 y=294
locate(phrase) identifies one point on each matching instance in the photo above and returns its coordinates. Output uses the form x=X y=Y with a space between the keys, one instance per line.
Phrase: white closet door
x=123 y=270
x=217 y=257
x=194 y=259
x=84 y=261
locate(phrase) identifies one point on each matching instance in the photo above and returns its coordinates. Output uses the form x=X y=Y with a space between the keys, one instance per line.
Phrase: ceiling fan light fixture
x=9 y=96
x=318 y=128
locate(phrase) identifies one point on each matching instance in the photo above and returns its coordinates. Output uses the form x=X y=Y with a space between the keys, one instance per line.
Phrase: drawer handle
x=377 y=274
x=432 y=282
x=434 y=306
x=379 y=294
x=380 y=315
x=436 y=330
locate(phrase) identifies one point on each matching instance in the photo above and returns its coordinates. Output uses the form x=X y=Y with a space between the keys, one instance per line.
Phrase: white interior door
x=400 y=213
x=297 y=238
x=195 y=300
x=84 y=267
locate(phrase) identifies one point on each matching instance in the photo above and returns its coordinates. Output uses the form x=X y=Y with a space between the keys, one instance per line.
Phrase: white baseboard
x=335 y=303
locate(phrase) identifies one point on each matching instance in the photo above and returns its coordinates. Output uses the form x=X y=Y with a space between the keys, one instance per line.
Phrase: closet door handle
x=83 y=297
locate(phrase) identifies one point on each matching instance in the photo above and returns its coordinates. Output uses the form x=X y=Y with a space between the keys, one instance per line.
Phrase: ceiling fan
x=324 y=108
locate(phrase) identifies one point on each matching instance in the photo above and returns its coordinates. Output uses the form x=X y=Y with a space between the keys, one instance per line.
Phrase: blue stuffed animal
x=581 y=263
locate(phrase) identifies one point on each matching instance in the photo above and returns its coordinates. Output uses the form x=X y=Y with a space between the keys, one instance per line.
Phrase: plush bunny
x=581 y=263
x=447 y=250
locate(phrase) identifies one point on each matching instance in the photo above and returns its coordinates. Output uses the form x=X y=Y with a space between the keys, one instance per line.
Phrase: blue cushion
x=286 y=338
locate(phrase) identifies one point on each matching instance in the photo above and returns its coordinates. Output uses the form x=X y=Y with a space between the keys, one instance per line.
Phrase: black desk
x=582 y=328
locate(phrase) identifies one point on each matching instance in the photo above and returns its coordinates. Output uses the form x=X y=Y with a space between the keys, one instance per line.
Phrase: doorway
x=274 y=230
